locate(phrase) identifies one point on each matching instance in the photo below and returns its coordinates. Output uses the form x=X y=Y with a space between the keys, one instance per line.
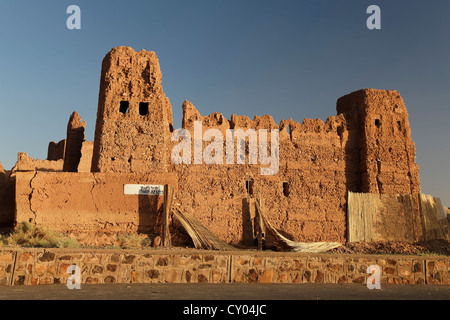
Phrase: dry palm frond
x=200 y=235
x=289 y=245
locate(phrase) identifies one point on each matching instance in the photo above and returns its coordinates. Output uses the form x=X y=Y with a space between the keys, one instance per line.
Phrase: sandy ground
x=440 y=247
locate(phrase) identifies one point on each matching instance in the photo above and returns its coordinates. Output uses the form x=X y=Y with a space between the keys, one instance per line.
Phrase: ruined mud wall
x=74 y=151
x=66 y=201
x=74 y=141
x=26 y=163
x=56 y=150
x=134 y=116
x=86 y=156
x=366 y=147
x=319 y=162
x=305 y=199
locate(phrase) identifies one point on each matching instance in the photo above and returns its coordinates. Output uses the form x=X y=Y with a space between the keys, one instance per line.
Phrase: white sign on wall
x=143 y=189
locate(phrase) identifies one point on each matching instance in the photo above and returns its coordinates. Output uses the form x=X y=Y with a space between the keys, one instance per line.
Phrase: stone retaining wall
x=49 y=266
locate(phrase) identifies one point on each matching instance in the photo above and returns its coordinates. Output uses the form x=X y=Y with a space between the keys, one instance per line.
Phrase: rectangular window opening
x=124 y=105
x=286 y=189
x=249 y=186
x=143 y=108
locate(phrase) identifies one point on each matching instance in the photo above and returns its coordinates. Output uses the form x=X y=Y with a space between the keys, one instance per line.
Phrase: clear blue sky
x=284 y=58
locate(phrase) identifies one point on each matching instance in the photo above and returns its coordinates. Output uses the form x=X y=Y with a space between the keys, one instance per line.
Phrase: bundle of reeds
x=200 y=235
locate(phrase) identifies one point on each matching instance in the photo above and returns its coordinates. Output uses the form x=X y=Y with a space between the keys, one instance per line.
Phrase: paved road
x=225 y=292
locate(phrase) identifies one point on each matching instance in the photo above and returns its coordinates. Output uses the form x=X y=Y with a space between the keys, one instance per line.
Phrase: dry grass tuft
x=29 y=235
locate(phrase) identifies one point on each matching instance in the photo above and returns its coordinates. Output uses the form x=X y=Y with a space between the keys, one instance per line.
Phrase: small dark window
x=377 y=122
x=124 y=105
x=286 y=189
x=143 y=108
x=399 y=125
x=249 y=186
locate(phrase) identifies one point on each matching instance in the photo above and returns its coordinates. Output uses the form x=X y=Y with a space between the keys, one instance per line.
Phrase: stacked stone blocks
x=39 y=266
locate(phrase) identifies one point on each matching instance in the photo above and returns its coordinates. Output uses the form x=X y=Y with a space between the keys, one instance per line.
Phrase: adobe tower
x=387 y=151
x=134 y=117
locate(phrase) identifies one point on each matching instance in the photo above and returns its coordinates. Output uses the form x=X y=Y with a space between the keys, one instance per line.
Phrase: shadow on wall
x=7 y=204
x=249 y=234
x=247 y=224
x=352 y=149
x=150 y=214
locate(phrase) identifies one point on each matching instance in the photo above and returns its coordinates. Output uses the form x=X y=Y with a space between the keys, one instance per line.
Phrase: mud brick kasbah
x=365 y=148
